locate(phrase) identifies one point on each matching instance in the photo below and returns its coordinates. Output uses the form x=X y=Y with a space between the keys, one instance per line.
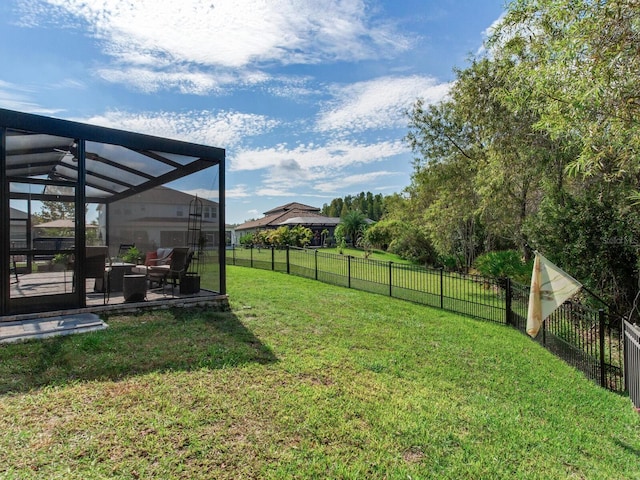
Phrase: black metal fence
x=632 y=361
x=589 y=339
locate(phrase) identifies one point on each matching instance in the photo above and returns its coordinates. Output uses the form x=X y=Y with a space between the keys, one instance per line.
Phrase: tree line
x=536 y=147
x=370 y=205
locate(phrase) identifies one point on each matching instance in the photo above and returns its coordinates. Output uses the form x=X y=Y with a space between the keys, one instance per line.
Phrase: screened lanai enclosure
x=70 y=190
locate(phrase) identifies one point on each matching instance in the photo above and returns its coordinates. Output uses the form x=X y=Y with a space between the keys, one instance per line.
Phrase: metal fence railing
x=589 y=339
x=632 y=361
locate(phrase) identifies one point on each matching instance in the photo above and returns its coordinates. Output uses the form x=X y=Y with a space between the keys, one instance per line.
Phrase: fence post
x=625 y=356
x=507 y=288
x=601 y=320
x=233 y=250
x=441 y=288
x=390 y=279
x=273 y=257
x=316 y=262
x=349 y=271
x=288 y=267
x=251 y=256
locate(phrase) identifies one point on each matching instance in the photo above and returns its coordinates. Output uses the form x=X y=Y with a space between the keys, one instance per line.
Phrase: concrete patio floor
x=61 y=322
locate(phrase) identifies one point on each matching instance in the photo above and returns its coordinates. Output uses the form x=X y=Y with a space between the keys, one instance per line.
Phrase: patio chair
x=96 y=266
x=180 y=259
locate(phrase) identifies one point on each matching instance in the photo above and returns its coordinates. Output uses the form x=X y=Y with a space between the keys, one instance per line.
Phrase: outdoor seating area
x=46 y=284
x=124 y=274
x=52 y=283
x=105 y=275
x=110 y=280
x=84 y=204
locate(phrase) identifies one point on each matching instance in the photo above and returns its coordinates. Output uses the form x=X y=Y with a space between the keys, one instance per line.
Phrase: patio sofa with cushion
x=165 y=264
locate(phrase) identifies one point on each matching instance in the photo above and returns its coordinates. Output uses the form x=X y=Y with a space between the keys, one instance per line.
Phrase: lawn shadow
x=627 y=447
x=171 y=340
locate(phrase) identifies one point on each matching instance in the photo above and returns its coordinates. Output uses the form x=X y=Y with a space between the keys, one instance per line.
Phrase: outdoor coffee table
x=134 y=287
x=118 y=271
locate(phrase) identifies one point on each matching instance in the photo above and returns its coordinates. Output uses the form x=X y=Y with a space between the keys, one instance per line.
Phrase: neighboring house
x=155 y=218
x=290 y=215
x=230 y=234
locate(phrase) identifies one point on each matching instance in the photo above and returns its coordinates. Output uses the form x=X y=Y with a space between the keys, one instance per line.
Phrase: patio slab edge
x=209 y=299
x=37 y=328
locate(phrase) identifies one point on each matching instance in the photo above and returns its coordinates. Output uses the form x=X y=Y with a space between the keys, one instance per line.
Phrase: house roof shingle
x=318 y=220
x=284 y=214
x=292 y=206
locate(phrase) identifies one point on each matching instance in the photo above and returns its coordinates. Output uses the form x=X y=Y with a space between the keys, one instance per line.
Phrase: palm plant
x=354 y=222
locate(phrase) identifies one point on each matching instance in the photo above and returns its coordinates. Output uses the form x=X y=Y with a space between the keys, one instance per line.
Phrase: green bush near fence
x=502 y=264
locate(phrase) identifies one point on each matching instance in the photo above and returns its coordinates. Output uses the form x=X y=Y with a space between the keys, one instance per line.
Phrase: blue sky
x=307 y=97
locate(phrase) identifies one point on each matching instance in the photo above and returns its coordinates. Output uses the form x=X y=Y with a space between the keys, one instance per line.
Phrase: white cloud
x=378 y=103
x=365 y=179
x=71 y=83
x=315 y=166
x=239 y=191
x=488 y=32
x=17 y=97
x=192 y=80
x=290 y=87
x=150 y=81
x=287 y=174
x=162 y=36
x=220 y=129
x=334 y=155
x=274 y=192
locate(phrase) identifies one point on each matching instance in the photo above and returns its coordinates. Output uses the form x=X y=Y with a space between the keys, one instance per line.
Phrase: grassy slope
x=306 y=380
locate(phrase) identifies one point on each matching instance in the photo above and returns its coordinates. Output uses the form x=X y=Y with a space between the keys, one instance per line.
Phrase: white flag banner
x=550 y=287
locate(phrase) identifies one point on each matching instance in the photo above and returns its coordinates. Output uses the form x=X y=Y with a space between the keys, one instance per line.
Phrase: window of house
x=211 y=239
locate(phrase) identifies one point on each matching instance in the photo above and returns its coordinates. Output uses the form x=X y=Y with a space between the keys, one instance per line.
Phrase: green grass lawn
x=373 y=255
x=265 y=253
x=306 y=380
x=468 y=294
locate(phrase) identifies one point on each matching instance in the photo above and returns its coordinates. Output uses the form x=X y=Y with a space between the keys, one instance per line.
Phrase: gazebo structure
x=47 y=162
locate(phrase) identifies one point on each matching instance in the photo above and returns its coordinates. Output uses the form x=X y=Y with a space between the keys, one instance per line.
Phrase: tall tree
x=577 y=63
x=372 y=206
x=52 y=210
x=516 y=157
